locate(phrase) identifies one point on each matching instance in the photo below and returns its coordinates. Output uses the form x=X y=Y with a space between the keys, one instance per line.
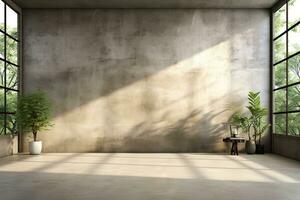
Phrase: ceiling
x=145 y=3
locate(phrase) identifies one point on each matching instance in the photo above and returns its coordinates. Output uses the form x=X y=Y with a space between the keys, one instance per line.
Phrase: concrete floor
x=149 y=176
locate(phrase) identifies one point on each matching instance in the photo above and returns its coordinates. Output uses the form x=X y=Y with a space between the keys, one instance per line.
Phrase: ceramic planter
x=35 y=147
x=250 y=147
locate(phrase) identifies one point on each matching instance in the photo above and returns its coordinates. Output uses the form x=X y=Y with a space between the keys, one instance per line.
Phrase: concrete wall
x=288 y=146
x=8 y=145
x=144 y=80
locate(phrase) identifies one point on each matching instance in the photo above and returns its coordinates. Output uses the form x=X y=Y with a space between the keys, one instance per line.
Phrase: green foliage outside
x=11 y=80
x=254 y=123
x=34 y=113
x=293 y=75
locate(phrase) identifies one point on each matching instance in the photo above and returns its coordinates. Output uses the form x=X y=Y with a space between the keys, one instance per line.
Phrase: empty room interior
x=149 y=99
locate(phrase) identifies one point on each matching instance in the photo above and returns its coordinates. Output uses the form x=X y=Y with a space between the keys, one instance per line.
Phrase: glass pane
x=2 y=108
x=280 y=48
x=294 y=40
x=1 y=73
x=280 y=21
x=11 y=76
x=11 y=125
x=294 y=16
x=1 y=15
x=280 y=123
x=11 y=22
x=2 y=45
x=280 y=74
x=279 y=97
x=294 y=124
x=11 y=101
x=11 y=50
x=294 y=97
x=2 y=124
x=294 y=69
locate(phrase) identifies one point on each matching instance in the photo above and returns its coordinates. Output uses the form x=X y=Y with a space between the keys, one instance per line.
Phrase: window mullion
x=287 y=30
x=286 y=68
x=5 y=63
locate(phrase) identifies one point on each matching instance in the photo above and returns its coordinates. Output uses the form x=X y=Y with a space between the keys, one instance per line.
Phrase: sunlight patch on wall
x=181 y=97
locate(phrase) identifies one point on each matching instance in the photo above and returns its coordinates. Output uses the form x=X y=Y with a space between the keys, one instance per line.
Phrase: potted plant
x=244 y=123
x=235 y=124
x=250 y=143
x=257 y=118
x=33 y=115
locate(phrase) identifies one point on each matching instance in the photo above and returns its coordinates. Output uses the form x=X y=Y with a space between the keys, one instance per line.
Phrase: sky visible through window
x=12 y=17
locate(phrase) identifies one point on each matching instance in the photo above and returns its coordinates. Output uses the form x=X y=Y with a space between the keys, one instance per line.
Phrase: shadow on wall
x=143 y=80
x=199 y=131
x=83 y=55
x=190 y=134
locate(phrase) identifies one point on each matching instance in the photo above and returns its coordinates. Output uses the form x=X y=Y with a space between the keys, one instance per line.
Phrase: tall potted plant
x=33 y=115
x=258 y=121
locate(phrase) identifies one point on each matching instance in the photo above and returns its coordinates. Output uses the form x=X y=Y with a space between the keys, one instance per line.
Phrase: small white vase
x=35 y=147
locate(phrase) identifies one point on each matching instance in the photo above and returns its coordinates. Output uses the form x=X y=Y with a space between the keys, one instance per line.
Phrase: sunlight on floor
x=244 y=168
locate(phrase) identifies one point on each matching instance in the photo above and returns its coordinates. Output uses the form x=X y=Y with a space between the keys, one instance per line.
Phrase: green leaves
x=11 y=75
x=255 y=121
x=254 y=105
x=263 y=129
x=34 y=112
x=236 y=119
x=240 y=121
x=257 y=115
x=254 y=99
x=11 y=45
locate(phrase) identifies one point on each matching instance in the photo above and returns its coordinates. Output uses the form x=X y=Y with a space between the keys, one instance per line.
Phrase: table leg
x=232 y=149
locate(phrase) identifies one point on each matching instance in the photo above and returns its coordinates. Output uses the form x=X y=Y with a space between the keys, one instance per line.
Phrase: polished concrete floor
x=117 y=176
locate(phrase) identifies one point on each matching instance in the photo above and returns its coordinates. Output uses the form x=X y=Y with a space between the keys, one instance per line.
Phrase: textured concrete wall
x=287 y=146
x=146 y=3
x=8 y=145
x=144 y=80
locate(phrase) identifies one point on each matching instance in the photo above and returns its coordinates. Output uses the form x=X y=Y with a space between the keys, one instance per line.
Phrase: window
x=9 y=68
x=286 y=68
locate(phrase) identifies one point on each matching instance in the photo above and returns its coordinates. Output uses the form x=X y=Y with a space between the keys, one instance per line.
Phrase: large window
x=286 y=68
x=9 y=68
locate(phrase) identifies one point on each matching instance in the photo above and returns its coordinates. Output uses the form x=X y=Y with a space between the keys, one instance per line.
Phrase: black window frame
x=286 y=59
x=6 y=63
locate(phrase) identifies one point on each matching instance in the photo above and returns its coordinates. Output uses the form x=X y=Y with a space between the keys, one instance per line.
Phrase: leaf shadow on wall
x=94 y=78
x=126 y=46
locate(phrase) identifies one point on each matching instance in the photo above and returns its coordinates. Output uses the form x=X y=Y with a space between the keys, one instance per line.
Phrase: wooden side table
x=234 y=141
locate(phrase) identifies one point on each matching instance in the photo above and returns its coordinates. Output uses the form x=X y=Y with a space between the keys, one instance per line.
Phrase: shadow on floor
x=58 y=186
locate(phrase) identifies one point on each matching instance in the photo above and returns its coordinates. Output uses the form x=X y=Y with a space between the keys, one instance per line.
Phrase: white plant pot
x=35 y=147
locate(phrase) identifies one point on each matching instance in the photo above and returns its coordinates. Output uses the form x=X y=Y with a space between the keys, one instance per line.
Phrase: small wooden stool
x=234 y=141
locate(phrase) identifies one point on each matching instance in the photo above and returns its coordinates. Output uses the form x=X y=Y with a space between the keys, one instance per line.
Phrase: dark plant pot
x=260 y=149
